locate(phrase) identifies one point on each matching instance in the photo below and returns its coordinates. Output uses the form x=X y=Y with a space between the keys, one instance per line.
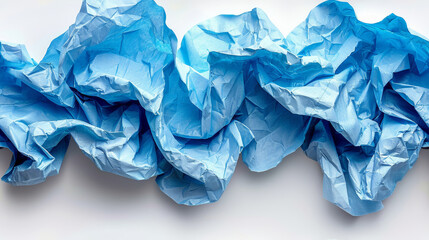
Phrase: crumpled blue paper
x=353 y=95
x=373 y=121
x=95 y=83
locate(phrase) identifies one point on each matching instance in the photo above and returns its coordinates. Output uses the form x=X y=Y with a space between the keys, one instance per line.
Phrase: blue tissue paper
x=353 y=95
x=95 y=84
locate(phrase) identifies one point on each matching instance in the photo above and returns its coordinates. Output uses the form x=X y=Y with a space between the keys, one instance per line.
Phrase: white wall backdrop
x=85 y=203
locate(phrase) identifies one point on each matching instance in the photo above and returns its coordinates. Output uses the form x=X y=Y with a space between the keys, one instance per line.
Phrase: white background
x=85 y=203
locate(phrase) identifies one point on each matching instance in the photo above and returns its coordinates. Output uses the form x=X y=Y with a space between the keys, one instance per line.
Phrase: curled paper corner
x=353 y=95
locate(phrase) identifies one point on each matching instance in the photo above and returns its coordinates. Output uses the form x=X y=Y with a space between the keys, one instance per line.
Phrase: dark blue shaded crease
x=353 y=95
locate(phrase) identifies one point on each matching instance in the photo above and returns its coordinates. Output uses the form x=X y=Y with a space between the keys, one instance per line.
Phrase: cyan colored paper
x=354 y=96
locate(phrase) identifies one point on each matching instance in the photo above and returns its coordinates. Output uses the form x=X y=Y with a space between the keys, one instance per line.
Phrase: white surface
x=285 y=203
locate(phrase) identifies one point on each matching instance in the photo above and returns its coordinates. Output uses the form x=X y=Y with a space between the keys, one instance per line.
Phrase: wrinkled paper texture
x=354 y=96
